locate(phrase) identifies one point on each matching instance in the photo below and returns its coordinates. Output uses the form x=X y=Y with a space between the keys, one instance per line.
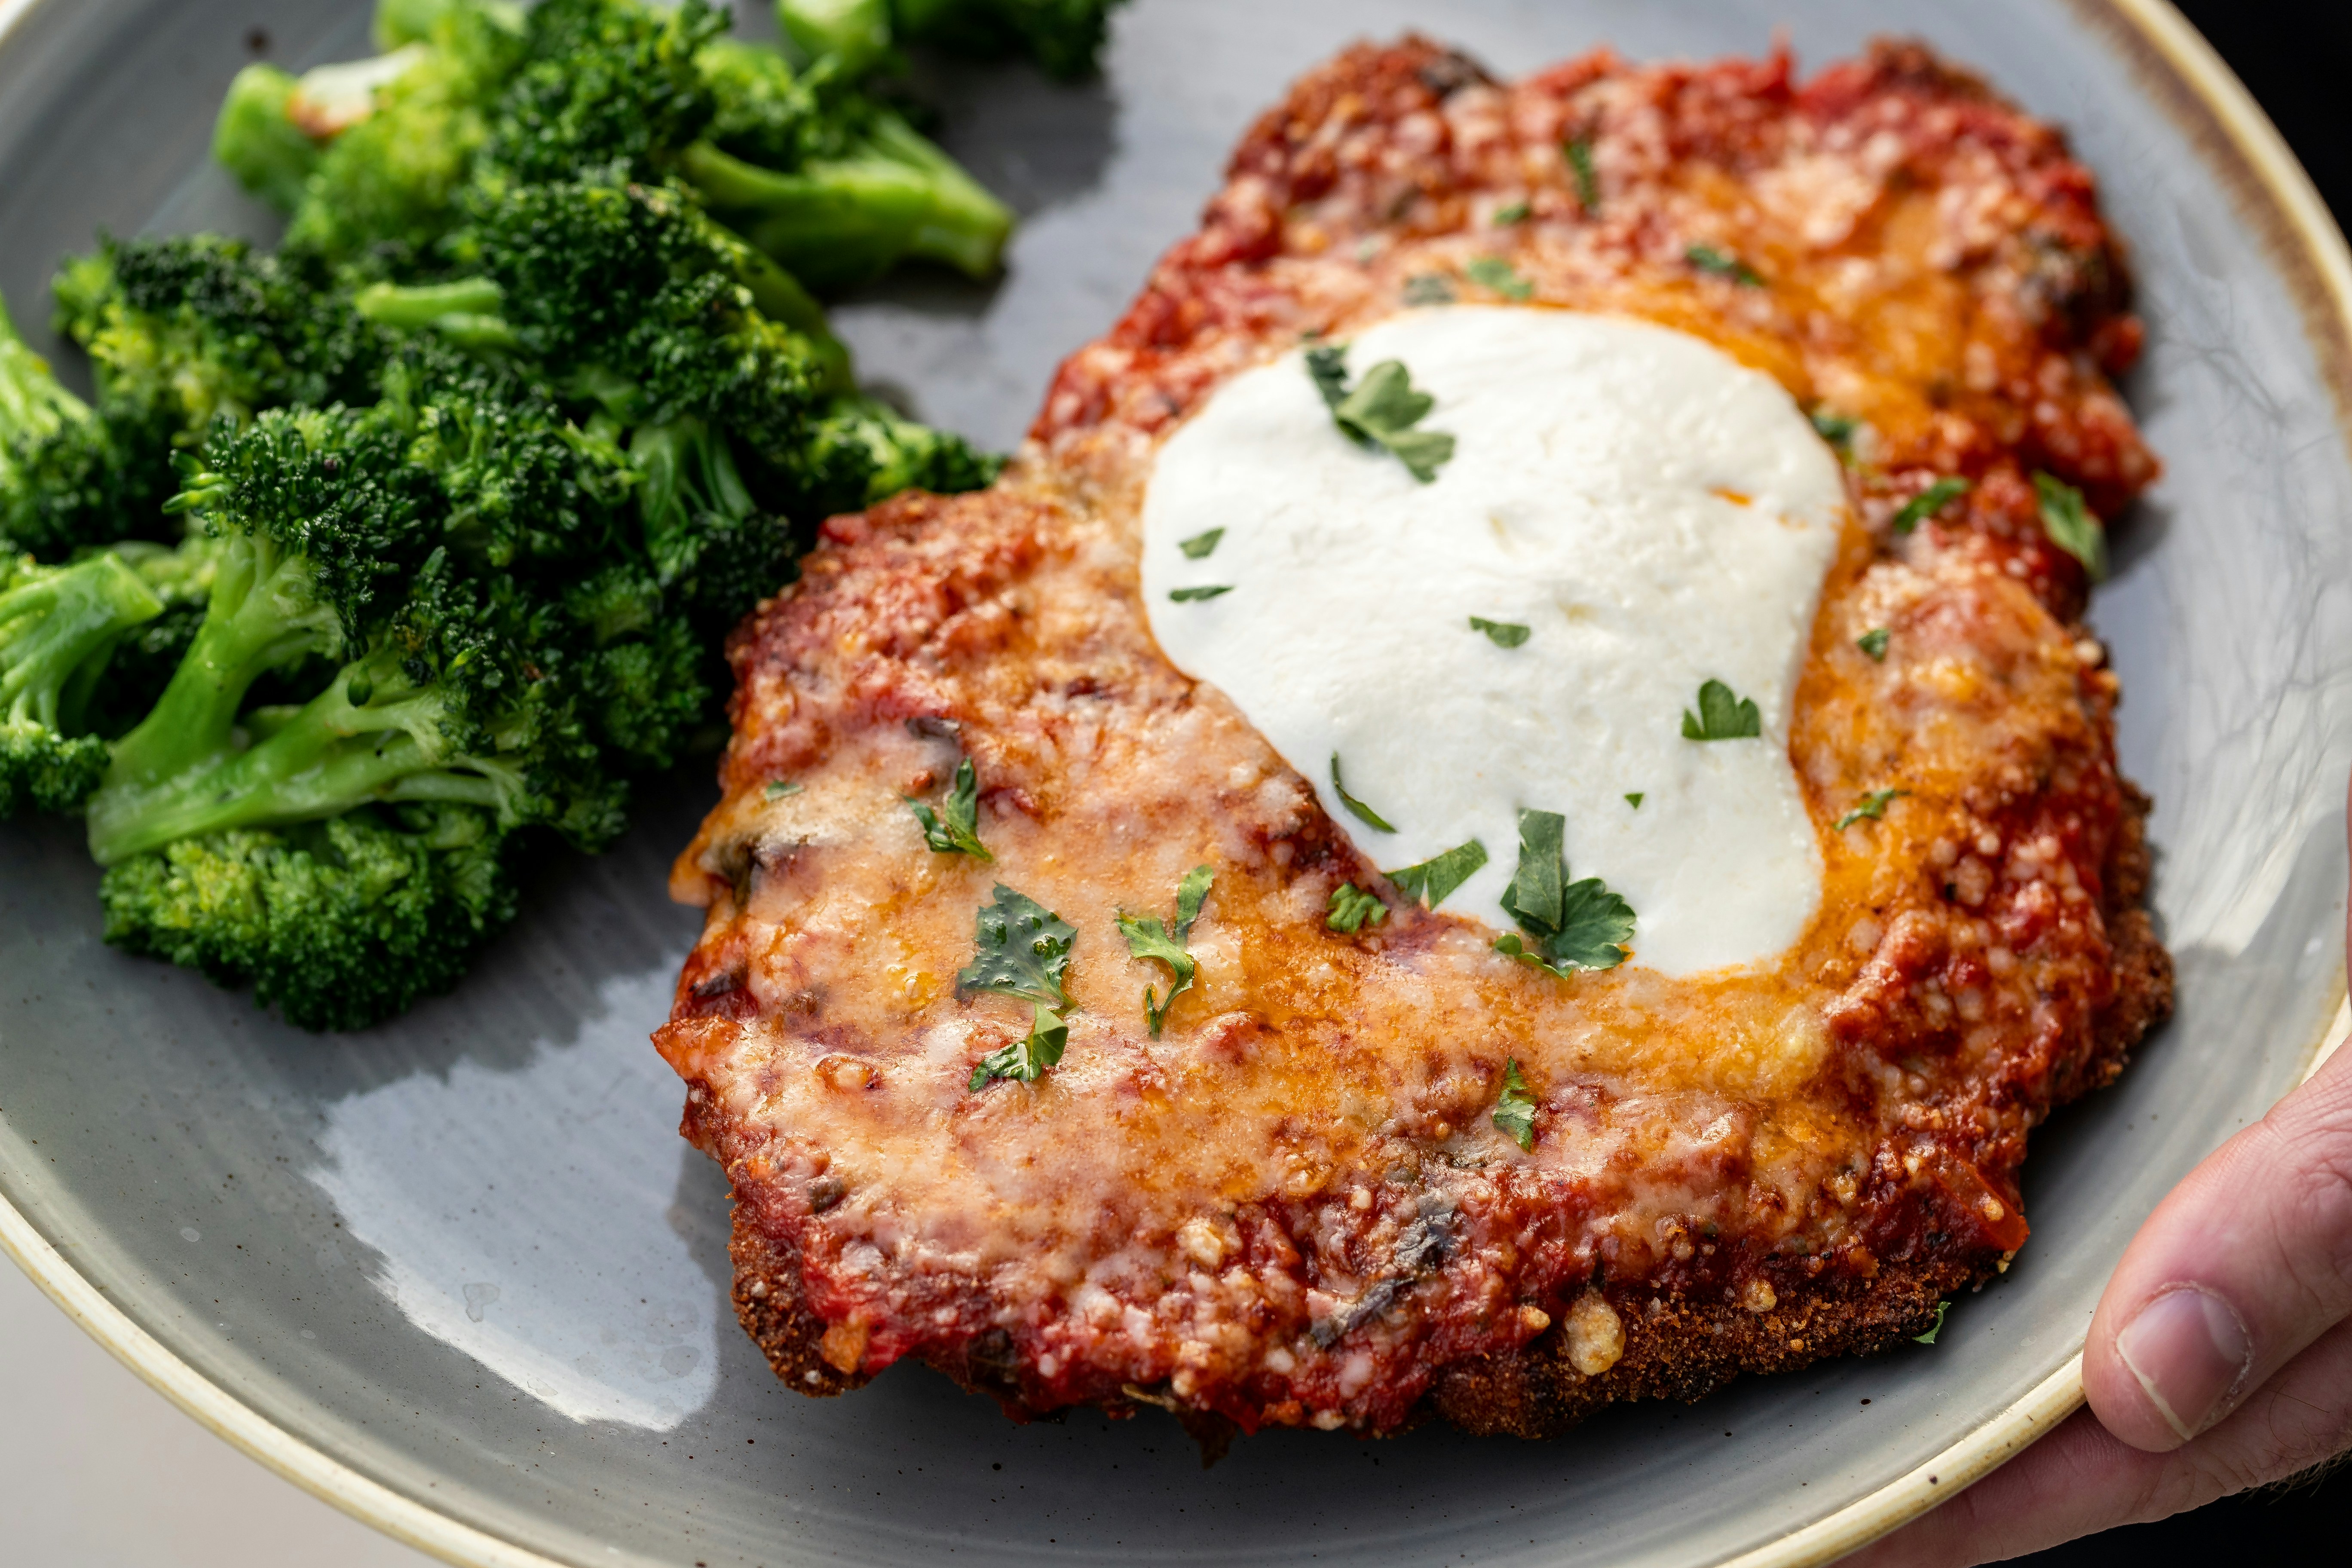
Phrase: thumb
x=2244 y=1264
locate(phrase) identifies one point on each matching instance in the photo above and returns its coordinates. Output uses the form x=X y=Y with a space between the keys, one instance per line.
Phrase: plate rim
x=2175 y=64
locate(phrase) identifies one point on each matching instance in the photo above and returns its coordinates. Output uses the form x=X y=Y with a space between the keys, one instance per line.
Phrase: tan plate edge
x=369 y=1501
x=1854 y=1526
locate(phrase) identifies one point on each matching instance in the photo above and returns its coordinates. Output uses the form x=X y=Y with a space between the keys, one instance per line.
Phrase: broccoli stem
x=371 y=736
x=264 y=612
x=465 y=310
x=257 y=141
x=857 y=33
x=835 y=222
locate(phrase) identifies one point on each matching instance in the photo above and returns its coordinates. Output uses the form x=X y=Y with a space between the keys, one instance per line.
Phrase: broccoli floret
x=863 y=451
x=837 y=188
x=180 y=333
x=65 y=478
x=1064 y=36
x=607 y=84
x=338 y=924
x=58 y=625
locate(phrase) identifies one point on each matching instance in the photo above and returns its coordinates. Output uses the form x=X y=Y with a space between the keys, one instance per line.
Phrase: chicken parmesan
x=1508 y=806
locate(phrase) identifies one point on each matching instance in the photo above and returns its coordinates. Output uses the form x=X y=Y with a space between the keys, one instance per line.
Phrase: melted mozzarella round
x=1655 y=514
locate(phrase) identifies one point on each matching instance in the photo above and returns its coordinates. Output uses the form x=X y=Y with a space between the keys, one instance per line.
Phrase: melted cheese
x=1655 y=513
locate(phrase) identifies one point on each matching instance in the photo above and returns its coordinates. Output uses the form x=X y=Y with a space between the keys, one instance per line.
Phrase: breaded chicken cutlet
x=1294 y=1202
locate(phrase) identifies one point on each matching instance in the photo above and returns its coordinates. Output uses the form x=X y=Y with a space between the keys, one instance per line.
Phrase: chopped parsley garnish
x=1494 y=272
x=1428 y=289
x=1194 y=595
x=1430 y=882
x=1515 y=212
x=1364 y=814
x=1197 y=547
x=2071 y=526
x=1874 y=642
x=1929 y=1337
x=1147 y=938
x=1567 y=925
x=1835 y=428
x=1634 y=797
x=1514 y=1112
x=1023 y=950
x=779 y=788
x=1381 y=411
x=1502 y=634
x=1024 y=1060
x=1929 y=502
x=1873 y=806
x=1327 y=367
x=1723 y=715
x=1707 y=259
x=1351 y=907
x=1587 y=178
x=954 y=829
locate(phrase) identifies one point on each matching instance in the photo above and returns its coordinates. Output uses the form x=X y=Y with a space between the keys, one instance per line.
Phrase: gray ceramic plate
x=461 y=1275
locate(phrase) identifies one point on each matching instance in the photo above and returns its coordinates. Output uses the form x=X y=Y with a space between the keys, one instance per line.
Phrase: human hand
x=2220 y=1358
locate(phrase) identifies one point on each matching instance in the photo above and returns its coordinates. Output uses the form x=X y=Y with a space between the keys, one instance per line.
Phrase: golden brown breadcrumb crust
x=1290 y=1210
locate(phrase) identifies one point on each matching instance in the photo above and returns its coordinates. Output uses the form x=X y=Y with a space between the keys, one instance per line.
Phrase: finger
x=2244 y=1264
x=2082 y=1480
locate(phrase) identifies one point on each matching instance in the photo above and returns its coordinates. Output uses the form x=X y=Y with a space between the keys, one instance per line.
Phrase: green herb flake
x=954 y=829
x=2071 y=526
x=1023 y=951
x=1363 y=813
x=1510 y=214
x=779 y=788
x=1148 y=938
x=1197 y=595
x=1024 y=1060
x=1327 y=367
x=1502 y=634
x=1929 y=502
x=1587 y=178
x=1634 y=797
x=1351 y=907
x=1567 y=925
x=1514 y=1112
x=1874 y=643
x=1200 y=545
x=1723 y=715
x=1873 y=806
x=1382 y=410
x=1494 y=272
x=1722 y=264
x=1835 y=428
x=1431 y=881
x=1428 y=289
x=1929 y=1337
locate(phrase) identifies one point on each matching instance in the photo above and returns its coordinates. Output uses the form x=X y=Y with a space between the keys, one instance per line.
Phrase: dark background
x=2295 y=57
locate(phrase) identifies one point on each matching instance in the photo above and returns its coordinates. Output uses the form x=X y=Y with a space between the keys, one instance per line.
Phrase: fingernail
x=2189 y=1348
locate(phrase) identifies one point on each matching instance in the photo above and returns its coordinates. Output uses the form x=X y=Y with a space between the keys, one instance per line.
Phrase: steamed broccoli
x=58 y=624
x=837 y=188
x=470 y=482
x=831 y=184
x=1064 y=36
